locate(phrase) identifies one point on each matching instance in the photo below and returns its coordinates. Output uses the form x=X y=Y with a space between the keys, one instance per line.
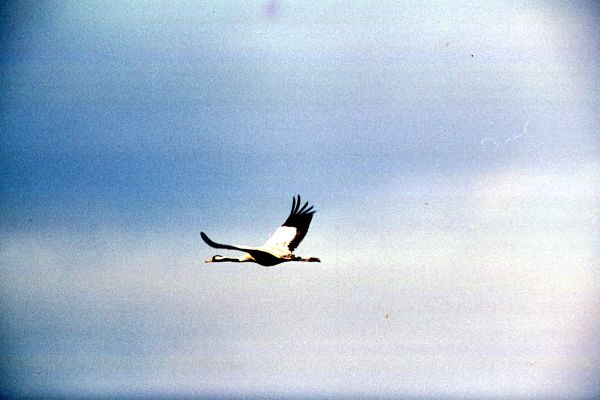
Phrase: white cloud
x=500 y=299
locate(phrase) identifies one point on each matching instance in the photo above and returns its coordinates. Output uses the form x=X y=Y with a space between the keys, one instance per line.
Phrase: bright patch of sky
x=450 y=150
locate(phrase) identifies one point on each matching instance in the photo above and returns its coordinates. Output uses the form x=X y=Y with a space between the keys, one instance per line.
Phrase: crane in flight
x=280 y=246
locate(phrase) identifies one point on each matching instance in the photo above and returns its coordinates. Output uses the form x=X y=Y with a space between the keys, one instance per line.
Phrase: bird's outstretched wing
x=222 y=246
x=290 y=234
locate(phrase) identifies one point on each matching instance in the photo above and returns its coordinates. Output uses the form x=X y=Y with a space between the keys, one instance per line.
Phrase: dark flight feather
x=300 y=219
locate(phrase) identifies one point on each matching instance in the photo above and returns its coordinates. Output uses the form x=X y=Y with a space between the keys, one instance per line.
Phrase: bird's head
x=215 y=258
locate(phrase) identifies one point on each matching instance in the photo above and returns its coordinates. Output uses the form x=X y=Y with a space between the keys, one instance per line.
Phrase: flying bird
x=280 y=246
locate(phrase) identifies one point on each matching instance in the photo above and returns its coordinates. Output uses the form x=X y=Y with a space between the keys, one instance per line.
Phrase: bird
x=279 y=247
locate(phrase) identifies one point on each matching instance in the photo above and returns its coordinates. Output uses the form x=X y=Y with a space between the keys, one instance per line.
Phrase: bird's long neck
x=244 y=258
x=229 y=259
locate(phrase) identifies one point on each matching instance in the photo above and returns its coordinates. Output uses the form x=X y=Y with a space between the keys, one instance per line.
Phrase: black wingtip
x=205 y=238
x=299 y=208
x=300 y=211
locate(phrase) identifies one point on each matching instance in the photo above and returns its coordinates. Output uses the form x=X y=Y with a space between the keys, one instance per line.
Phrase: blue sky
x=451 y=151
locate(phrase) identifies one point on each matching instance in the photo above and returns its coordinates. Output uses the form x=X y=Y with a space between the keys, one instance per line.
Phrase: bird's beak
x=208 y=260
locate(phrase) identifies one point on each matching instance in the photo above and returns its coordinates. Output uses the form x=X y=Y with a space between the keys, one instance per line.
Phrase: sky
x=450 y=148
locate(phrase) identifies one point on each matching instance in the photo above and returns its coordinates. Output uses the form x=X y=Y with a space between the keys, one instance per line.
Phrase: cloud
x=457 y=200
x=483 y=286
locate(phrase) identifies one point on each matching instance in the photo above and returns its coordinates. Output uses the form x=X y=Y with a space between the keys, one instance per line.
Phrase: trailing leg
x=308 y=259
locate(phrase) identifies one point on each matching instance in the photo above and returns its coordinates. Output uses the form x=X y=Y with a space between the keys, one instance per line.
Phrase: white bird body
x=279 y=247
